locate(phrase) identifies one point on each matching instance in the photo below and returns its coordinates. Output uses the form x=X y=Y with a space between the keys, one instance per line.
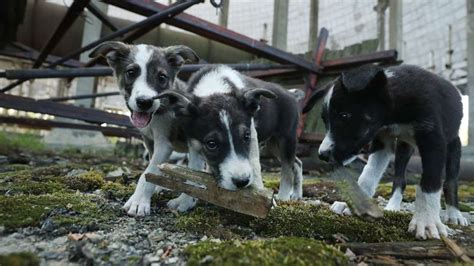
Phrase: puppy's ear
x=363 y=78
x=181 y=104
x=113 y=51
x=180 y=54
x=315 y=97
x=251 y=98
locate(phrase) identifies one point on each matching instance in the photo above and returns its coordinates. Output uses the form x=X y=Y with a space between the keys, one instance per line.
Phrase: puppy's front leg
x=254 y=155
x=426 y=222
x=139 y=202
x=185 y=202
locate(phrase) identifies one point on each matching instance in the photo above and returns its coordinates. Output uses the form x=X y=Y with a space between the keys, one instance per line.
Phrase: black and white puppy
x=223 y=112
x=396 y=110
x=143 y=72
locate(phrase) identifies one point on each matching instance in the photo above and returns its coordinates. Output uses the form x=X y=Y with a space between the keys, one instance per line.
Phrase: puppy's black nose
x=144 y=103
x=240 y=183
x=325 y=155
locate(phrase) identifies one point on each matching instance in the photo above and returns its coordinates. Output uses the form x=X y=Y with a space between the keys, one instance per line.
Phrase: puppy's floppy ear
x=251 y=98
x=179 y=54
x=181 y=104
x=364 y=78
x=110 y=50
x=315 y=97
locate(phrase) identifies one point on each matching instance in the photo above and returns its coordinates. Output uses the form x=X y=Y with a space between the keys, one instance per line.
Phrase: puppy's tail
x=315 y=97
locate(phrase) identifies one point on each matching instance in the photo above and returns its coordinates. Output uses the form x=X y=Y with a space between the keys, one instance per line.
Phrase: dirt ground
x=64 y=208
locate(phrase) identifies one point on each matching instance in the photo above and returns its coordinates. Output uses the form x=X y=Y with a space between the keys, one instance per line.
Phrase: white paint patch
x=389 y=73
x=233 y=166
x=395 y=201
x=426 y=222
x=454 y=216
x=214 y=82
x=141 y=89
x=373 y=170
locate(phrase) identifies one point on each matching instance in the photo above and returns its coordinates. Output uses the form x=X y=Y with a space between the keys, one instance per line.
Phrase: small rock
x=3 y=159
x=75 y=172
x=172 y=260
x=206 y=259
x=119 y=172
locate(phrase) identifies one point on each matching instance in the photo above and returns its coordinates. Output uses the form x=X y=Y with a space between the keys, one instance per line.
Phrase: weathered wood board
x=201 y=185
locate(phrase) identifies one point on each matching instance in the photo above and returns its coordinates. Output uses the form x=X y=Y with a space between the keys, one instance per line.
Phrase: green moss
x=114 y=190
x=301 y=220
x=12 y=142
x=272 y=180
x=205 y=221
x=77 y=209
x=31 y=187
x=280 y=251
x=87 y=181
x=19 y=259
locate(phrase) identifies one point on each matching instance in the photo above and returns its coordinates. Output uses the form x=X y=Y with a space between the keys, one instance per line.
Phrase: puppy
x=396 y=110
x=226 y=115
x=142 y=72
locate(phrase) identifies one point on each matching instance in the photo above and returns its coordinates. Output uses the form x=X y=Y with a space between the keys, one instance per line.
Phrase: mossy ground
x=279 y=251
x=19 y=259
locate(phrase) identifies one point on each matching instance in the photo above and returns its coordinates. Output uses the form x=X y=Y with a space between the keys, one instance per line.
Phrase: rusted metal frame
x=152 y=20
x=101 y=16
x=106 y=71
x=312 y=79
x=71 y=15
x=217 y=33
x=156 y=20
x=63 y=110
x=337 y=65
x=49 y=124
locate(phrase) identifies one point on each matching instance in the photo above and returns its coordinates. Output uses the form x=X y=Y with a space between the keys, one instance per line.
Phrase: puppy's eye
x=162 y=79
x=131 y=73
x=211 y=144
x=344 y=115
x=247 y=136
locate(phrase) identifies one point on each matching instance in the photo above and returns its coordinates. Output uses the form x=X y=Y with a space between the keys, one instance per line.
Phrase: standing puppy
x=396 y=110
x=223 y=112
x=142 y=72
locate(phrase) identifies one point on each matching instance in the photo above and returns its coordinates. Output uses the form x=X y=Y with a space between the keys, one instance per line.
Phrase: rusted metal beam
x=82 y=96
x=155 y=19
x=216 y=33
x=63 y=110
x=101 y=16
x=49 y=124
x=312 y=79
x=32 y=55
x=106 y=71
x=383 y=56
x=72 y=13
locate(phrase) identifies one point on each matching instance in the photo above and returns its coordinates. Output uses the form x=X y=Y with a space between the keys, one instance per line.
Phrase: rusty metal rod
x=106 y=71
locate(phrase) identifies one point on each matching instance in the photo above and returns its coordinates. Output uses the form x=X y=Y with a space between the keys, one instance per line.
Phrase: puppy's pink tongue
x=140 y=119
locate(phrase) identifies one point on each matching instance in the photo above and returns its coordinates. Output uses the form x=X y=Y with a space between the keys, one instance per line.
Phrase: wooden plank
x=201 y=185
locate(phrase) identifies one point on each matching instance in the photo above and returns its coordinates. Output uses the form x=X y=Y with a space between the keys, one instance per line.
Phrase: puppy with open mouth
x=143 y=72
x=396 y=110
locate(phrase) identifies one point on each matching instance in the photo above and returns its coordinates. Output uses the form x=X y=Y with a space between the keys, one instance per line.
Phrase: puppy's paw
x=296 y=195
x=183 y=203
x=341 y=208
x=137 y=205
x=426 y=227
x=283 y=196
x=392 y=206
x=454 y=216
